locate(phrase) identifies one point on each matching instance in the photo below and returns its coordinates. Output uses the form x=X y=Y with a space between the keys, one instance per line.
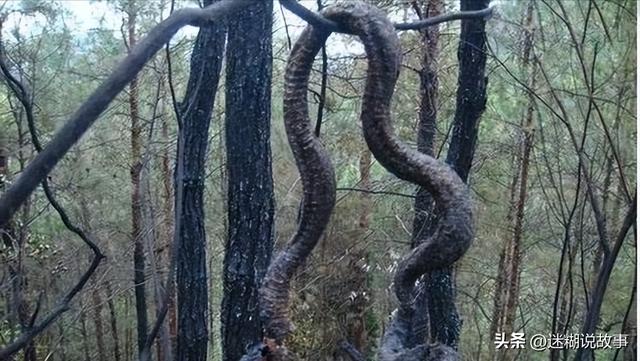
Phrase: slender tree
x=426 y=138
x=250 y=190
x=194 y=118
x=508 y=286
x=136 y=197
x=470 y=104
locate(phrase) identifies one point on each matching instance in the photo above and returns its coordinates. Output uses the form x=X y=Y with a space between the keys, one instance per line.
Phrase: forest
x=270 y=180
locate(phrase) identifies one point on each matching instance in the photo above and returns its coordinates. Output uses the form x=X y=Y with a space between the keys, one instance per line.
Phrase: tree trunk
x=470 y=103
x=165 y=250
x=507 y=291
x=195 y=117
x=427 y=125
x=14 y=237
x=250 y=188
x=95 y=298
x=598 y=292
x=97 y=321
x=113 y=320
x=136 y=202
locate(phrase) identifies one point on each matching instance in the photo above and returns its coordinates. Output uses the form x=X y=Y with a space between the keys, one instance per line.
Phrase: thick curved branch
x=98 y=101
x=319 y=190
x=318 y=20
x=454 y=231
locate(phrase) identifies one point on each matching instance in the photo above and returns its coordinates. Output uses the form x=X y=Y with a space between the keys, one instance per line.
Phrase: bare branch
x=22 y=94
x=318 y=20
x=91 y=109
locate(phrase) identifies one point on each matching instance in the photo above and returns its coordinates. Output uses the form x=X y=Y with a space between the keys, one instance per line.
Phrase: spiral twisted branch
x=454 y=231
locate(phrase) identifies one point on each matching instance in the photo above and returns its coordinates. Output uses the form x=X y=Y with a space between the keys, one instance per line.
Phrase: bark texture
x=426 y=139
x=471 y=98
x=195 y=117
x=250 y=184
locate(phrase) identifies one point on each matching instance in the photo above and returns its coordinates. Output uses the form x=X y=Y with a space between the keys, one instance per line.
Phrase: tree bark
x=427 y=126
x=194 y=119
x=598 y=292
x=471 y=98
x=136 y=202
x=250 y=189
x=165 y=250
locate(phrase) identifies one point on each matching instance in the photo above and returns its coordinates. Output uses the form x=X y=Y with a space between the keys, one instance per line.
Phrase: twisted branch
x=454 y=230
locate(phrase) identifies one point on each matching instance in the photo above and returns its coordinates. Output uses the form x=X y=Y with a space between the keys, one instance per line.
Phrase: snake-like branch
x=454 y=231
x=318 y=184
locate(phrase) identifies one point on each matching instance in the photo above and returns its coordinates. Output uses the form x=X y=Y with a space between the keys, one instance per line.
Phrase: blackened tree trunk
x=250 y=188
x=136 y=203
x=470 y=103
x=427 y=125
x=195 y=117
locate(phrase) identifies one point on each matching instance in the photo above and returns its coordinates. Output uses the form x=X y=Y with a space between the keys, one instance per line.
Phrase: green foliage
x=62 y=67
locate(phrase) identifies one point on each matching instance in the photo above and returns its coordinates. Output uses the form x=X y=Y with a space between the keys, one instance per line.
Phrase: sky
x=85 y=15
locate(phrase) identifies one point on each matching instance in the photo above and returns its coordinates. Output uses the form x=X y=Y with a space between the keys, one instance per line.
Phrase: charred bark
x=250 y=186
x=195 y=116
x=470 y=103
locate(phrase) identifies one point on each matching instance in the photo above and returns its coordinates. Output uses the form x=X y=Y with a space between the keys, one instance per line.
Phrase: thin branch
x=375 y=192
x=318 y=20
x=286 y=28
x=145 y=353
x=323 y=84
x=22 y=94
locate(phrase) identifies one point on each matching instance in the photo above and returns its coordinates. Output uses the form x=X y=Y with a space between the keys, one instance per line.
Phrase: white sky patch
x=85 y=16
